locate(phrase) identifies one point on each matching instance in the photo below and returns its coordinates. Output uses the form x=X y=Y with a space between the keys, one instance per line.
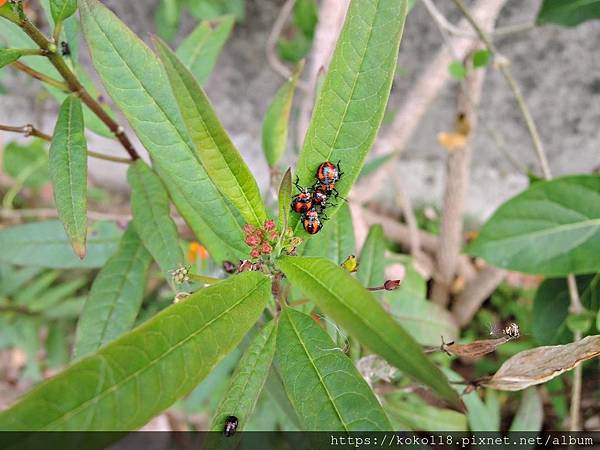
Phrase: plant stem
x=30 y=130
x=504 y=67
x=73 y=83
x=576 y=307
x=61 y=85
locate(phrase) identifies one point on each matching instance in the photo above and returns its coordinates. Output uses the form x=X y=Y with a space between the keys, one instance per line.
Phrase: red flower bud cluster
x=261 y=240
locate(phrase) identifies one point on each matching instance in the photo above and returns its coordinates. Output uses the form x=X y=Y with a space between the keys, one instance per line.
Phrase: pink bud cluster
x=261 y=240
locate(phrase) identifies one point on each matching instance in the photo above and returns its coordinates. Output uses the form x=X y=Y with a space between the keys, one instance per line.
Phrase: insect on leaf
x=475 y=349
x=124 y=384
x=68 y=172
x=248 y=380
x=323 y=385
x=351 y=103
x=542 y=364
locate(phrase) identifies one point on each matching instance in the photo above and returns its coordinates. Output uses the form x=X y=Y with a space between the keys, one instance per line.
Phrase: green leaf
x=212 y=9
x=457 y=70
x=306 y=16
x=422 y=319
x=221 y=160
x=530 y=415
x=142 y=373
x=336 y=239
x=371 y=262
x=9 y=56
x=115 y=297
x=45 y=244
x=285 y=199
x=552 y=229
x=550 y=311
x=413 y=412
x=579 y=323
x=480 y=416
x=275 y=123
x=57 y=345
x=27 y=163
x=55 y=295
x=200 y=50
x=481 y=58
x=68 y=171
x=151 y=217
x=12 y=279
x=62 y=9
x=135 y=80
x=568 y=13
x=13 y=36
x=323 y=385
x=342 y=298
x=167 y=18
x=352 y=101
x=248 y=380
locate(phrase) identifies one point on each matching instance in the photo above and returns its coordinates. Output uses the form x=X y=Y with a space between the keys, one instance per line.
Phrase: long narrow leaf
x=355 y=91
x=200 y=50
x=275 y=123
x=342 y=298
x=140 y=374
x=45 y=244
x=151 y=216
x=220 y=158
x=248 y=380
x=68 y=172
x=135 y=80
x=372 y=265
x=115 y=297
x=325 y=388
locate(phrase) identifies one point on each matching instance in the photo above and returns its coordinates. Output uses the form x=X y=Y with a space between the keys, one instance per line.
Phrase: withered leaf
x=475 y=349
x=541 y=364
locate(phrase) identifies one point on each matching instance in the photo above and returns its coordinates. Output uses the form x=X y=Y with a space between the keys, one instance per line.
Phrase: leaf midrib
x=69 y=145
x=153 y=362
x=549 y=231
x=354 y=83
x=167 y=221
x=162 y=111
x=218 y=153
x=331 y=400
x=360 y=318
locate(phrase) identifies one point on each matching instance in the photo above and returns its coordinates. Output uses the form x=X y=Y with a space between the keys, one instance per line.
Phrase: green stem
x=72 y=81
x=61 y=85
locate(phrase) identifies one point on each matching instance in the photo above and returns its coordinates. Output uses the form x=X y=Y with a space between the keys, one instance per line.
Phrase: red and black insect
x=231 y=424
x=313 y=221
x=303 y=201
x=328 y=174
x=320 y=197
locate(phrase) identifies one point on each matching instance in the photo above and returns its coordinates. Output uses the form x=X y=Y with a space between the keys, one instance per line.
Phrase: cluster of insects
x=311 y=202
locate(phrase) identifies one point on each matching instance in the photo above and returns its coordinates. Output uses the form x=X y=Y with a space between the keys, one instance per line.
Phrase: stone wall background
x=558 y=69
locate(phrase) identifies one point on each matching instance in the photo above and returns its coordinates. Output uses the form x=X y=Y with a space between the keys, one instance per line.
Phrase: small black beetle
x=231 y=424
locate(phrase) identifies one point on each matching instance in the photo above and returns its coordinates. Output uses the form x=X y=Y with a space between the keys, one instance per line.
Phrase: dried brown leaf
x=541 y=364
x=475 y=349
